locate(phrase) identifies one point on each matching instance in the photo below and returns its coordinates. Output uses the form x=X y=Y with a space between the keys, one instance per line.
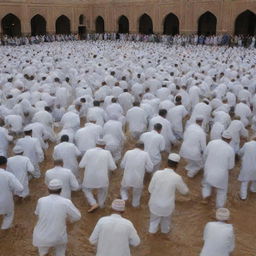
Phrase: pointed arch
x=245 y=23
x=145 y=24
x=11 y=25
x=81 y=19
x=38 y=25
x=62 y=25
x=123 y=25
x=171 y=24
x=207 y=24
x=100 y=25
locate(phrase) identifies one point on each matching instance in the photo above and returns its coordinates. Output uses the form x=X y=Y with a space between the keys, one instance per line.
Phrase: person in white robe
x=5 y=138
x=97 y=114
x=176 y=116
x=136 y=119
x=114 y=136
x=135 y=163
x=53 y=212
x=193 y=147
x=86 y=137
x=14 y=124
x=68 y=179
x=115 y=109
x=244 y=111
x=219 y=158
x=166 y=130
x=247 y=173
x=219 y=238
x=69 y=154
x=113 y=235
x=126 y=100
x=162 y=188
x=21 y=167
x=154 y=144
x=237 y=130
x=32 y=149
x=97 y=162
x=9 y=185
x=216 y=131
x=70 y=120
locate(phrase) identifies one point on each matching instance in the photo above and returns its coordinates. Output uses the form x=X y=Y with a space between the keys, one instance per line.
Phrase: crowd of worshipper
x=89 y=98
x=183 y=40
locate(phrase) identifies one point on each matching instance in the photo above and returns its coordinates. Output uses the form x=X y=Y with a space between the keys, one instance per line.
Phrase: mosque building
x=38 y=17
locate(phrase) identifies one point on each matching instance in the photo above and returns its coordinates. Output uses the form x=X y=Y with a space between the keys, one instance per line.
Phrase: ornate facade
x=133 y=16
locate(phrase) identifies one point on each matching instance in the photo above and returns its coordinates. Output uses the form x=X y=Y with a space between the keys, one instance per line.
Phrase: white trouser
x=7 y=220
x=37 y=172
x=164 y=222
x=136 y=195
x=244 y=188
x=59 y=250
x=221 y=194
x=193 y=167
x=101 y=196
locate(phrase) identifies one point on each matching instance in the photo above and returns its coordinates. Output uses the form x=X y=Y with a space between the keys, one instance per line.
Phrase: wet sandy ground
x=188 y=220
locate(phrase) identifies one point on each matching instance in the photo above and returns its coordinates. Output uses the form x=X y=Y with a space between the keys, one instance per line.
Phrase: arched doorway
x=123 y=25
x=100 y=26
x=207 y=24
x=82 y=27
x=11 y=25
x=62 y=25
x=245 y=23
x=38 y=25
x=171 y=24
x=145 y=25
x=81 y=19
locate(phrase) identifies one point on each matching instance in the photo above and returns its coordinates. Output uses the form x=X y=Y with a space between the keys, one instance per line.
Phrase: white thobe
x=70 y=120
x=68 y=152
x=53 y=211
x=218 y=239
x=86 y=137
x=244 y=112
x=69 y=181
x=97 y=163
x=154 y=144
x=96 y=114
x=9 y=185
x=4 y=141
x=14 y=122
x=20 y=167
x=113 y=235
x=216 y=131
x=166 y=131
x=126 y=100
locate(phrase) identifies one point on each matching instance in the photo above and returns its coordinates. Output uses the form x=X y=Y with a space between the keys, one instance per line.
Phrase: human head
x=118 y=205
x=226 y=136
x=96 y=103
x=222 y=214
x=55 y=186
x=58 y=162
x=28 y=132
x=158 y=127
x=140 y=145
x=17 y=150
x=100 y=143
x=113 y=100
x=3 y=162
x=64 y=138
x=199 y=120
x=173 y=160
x=162 y=113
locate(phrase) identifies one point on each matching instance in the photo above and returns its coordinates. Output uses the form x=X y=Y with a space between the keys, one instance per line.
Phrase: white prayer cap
x=174 y=157
x=226 y=135
x=17 y=150
x=27 y=128
x=100 y=142
x=118 y=205
x=55 y=184
x=206 y=100
x=200 y=118
x=222 y=214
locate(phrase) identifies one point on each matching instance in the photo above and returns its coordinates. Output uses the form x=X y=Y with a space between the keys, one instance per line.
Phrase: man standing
x=97 y=163
x=162 y=190
x=114 y=234
x=8 y=184
x=135 y=162
x=193 y=147
x=219 y=235
x=53 y=211
x=219 y=159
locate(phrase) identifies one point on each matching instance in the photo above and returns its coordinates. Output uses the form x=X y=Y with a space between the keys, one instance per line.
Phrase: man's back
x=218 y=239
x=113 y=235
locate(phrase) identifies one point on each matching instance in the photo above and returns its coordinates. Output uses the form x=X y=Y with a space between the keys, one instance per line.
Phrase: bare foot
x=93 y=208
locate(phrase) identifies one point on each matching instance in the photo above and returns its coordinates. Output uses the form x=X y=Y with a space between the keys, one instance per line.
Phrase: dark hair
x=55 y=191
x=113 y=100
x=29 y=132
x=47 y=108
x=83 y=100
x=172 y=163
x=162 y=112
x=158 y=127
x=96 y=103
x=139 y=144
x=64 y=138
x=3 y=160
